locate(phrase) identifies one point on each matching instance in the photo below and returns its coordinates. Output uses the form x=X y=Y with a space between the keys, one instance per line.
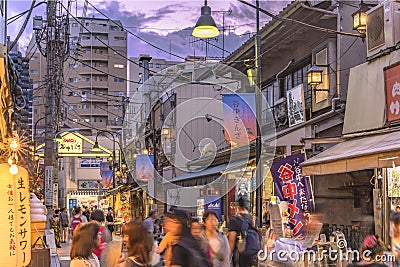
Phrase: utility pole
x=258 y=95
x=56 y=32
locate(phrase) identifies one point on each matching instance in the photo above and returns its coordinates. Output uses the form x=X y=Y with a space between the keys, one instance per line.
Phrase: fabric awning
x=369 y=152
x=207 y=175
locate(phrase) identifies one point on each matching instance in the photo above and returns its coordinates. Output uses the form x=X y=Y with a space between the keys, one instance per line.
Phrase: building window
x=73 y=66
x=75 y=120
x=35 y=85
x=150 y=65
x=119 y=93
x=73 y=80
x=119 y=38
x=119 y=66
x=119 y=52
x=86 y=106
x=34 y=58
x=118 y=107
x=119 y=80
x=74 y=24
x=85 y=37
x=86 y=120
x=72 y=107
x=33 y=71
x=114 y=28
x=158 y=65
x=85 y=79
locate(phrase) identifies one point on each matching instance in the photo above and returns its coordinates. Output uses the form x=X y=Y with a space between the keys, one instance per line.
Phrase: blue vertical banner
x=240 y=125
x=215 y=204
x=291 y=186
x=106 y=175
x=145 y=168
x=72 y=203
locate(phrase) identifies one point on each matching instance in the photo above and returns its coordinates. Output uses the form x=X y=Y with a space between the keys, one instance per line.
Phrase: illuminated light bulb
x=13 y=169
x=10 y=161
x=14 y=145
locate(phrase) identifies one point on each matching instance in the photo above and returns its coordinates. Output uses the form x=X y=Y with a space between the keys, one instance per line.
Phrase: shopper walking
x=235 y=235
x=86 y=212
x=171 y=237
x=85 y=240
x=77 y=219
x=55 y=225
x=214 y=241
x=110 y=220
x=187 y=252
x=139 y=245
x=64 y=222
x=371 y=253
x=98 y=216
x=149 y=223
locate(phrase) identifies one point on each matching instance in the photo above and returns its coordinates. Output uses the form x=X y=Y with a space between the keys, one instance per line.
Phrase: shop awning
x=369 y=152
x=207 y=175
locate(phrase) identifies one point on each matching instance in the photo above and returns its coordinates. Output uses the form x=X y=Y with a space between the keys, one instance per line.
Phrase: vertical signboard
x=145 y=168
x=392 y=90
x=15 y=224
x=294 y=98
x=215 y=204
x=106 y=175
x=240 y=125
x=291 y=186
x=55 y=195
x=48 y=186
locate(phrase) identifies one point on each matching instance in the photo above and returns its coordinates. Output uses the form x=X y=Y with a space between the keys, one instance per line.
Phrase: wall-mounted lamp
x=360 y=18
x=165 y=131
x=205 y=26
x=314 y=76
x=145 y=152
x=96 y=147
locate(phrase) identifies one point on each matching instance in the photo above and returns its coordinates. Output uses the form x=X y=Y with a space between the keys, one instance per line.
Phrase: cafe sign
x=15 y=222
x=70 y=143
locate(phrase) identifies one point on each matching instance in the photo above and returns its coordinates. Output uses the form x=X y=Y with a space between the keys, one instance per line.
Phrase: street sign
x=48 y=186
x=55 y=195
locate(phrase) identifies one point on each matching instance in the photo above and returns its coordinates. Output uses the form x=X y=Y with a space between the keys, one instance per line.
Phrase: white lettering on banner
x=55 y=195
x=214 y=206
x=395 y=107
x=48 y=188
x=396 y=89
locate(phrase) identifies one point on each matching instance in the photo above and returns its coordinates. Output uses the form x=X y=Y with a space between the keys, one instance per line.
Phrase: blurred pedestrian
x=98 y=216
x=371 y=253
x=149 y=223
x=139 y=245
x=77 y=219
x=187 y=252
x=215 y=242
x=55 y=225
x=395 y=235
x=196 y=228
x=171 y=237
x=86 y=212
x=64 y=222
x=110 y=220
x=85 y=240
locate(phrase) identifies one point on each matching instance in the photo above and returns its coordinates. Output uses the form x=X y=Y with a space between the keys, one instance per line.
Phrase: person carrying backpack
x=243 y=237
x=77 y=219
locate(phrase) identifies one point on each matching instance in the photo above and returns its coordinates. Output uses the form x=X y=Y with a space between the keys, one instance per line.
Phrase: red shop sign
x=392 y=90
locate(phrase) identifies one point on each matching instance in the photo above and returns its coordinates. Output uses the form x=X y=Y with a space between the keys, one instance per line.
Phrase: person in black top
x=371 y=253
x=234 y=230
x=187 y=252
x=110 y=220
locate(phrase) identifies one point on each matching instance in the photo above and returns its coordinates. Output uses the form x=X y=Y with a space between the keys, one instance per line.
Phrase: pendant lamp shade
x=205 y=26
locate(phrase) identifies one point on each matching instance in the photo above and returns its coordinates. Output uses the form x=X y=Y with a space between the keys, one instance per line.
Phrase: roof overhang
x=369 y=152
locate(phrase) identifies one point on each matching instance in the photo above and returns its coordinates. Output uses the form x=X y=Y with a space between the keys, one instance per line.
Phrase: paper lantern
x=15 y=223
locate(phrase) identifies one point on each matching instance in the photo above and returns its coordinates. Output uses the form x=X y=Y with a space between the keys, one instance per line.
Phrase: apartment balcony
x=94 y=70
x=96 y=27
x=92 y=84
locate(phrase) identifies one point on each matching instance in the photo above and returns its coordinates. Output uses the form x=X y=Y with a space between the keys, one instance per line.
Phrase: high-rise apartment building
x=95 y=76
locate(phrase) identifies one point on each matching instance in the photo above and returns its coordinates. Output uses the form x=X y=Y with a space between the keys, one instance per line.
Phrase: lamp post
x=96 y=148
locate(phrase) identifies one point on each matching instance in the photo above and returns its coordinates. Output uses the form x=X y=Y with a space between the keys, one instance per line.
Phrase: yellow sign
x=15 y=221
x=70 y=143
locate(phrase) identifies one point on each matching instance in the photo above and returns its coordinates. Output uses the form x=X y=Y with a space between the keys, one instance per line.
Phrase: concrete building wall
x=91 y=95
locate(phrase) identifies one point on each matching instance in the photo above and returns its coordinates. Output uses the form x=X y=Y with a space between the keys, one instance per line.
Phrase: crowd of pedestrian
x=173 y=240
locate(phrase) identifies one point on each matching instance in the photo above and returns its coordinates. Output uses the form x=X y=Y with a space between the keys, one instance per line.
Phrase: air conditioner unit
x=383 y=26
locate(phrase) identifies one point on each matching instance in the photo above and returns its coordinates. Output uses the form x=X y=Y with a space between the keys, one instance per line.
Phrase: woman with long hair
x=371 y=253
x=215 y=243
x=85 y=240
x=138 y=243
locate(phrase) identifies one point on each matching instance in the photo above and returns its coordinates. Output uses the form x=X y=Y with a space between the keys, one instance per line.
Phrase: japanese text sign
x=144 y=168
x=70 y=143
x=239 y=118
x=291 y=186
x=392 y=89
x=15 y=222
